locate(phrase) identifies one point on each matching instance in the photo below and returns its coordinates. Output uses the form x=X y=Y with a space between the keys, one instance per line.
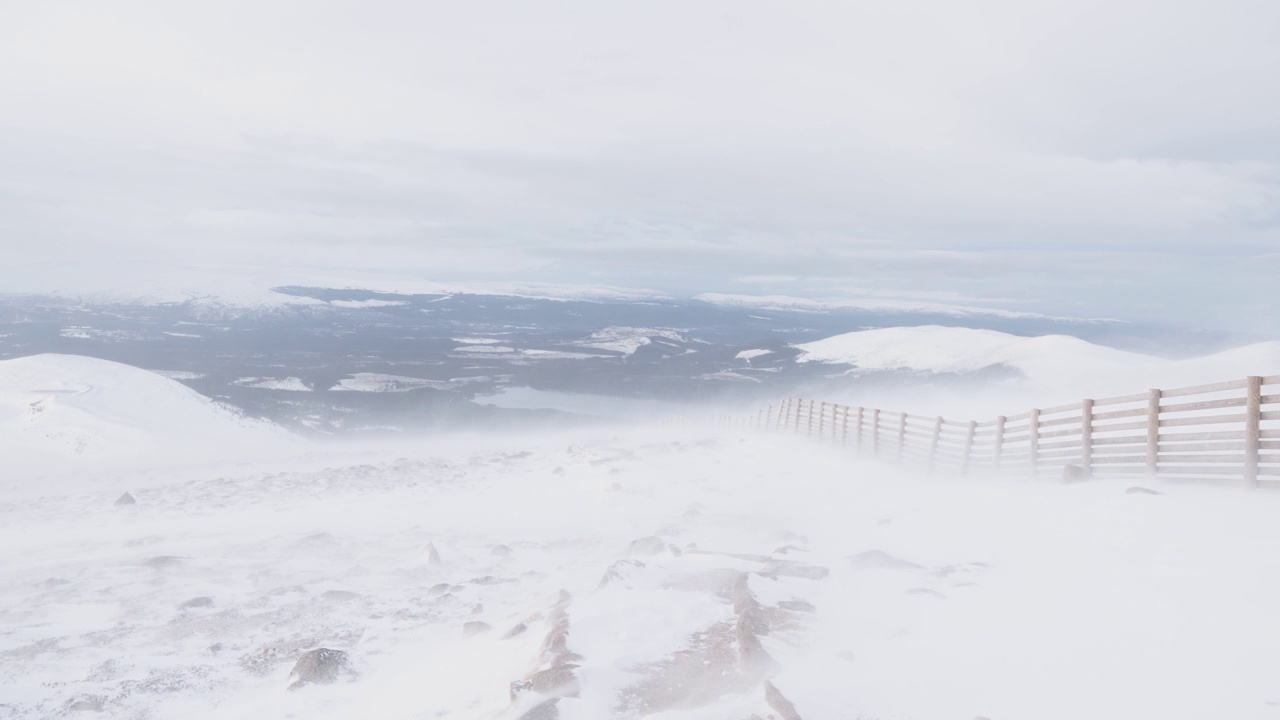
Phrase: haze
x=1083 y=158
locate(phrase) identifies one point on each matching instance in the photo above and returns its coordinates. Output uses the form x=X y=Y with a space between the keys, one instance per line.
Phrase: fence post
x=1086 y=436
x=968 y=446
x=1153 y=431
x=902 y=434
x=799 y=409
x=844 y=427
x=1252 y=429
x=1034 y=436
x=875 y=432
x=999 y=445
x=933 y=444
x=822 y=417
x=858 y=433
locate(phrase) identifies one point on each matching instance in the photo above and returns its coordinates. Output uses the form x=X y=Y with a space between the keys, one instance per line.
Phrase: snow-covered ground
x=636 y=573
x=1041 y=371
x=56 y=409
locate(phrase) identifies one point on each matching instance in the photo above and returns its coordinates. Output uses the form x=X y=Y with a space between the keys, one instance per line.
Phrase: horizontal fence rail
x=1223 y=432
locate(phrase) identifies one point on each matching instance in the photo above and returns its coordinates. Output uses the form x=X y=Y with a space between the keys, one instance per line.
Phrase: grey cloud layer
x=1095 y=158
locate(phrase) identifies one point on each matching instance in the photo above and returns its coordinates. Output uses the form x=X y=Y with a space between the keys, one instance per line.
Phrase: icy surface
x=648 y=574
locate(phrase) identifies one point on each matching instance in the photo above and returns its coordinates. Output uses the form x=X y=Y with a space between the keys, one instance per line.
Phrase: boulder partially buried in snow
x=321 y=666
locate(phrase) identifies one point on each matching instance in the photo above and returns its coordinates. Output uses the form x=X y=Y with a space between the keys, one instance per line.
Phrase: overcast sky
x=1117 y=158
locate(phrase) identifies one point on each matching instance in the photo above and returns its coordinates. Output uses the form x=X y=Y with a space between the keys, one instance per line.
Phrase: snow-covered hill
x=1043 y=360
x=960 y=350
x=60 y=407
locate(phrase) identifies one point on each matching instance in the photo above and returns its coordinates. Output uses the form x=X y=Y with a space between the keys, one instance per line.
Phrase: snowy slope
x=662 y=576
x=69 y=406
x=959 y=350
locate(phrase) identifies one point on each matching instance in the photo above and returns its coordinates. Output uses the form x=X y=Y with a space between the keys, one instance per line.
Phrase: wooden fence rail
x=1227 y=431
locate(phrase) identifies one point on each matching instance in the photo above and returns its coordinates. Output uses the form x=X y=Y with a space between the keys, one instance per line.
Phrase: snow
x=68 y=408
x=878 y=594
x=253 y=286
x=360 y=304
x=749 y=354
x=292 y=384
x=957 y=350
x=382 y=382
x=627 y=340
x=788 y=303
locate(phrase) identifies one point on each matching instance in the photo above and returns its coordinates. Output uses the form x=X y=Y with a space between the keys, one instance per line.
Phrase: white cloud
x=1011 y=150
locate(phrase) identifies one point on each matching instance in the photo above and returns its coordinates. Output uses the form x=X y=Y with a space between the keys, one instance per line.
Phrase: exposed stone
x=779 y=702
x=199 y=602
x=558 y=681
x=433 y=555
x=880 y=560
x=126 y=499
x=88 y=703
x=545 y=710
x=620 y=572
x=651 y=545
x=321 y=666
x=1075 y=473
x=475 y=627
x=798 y=606
x=513 y=632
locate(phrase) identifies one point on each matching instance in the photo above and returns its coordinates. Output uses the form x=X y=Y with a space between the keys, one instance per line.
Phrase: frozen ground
x=637 y=575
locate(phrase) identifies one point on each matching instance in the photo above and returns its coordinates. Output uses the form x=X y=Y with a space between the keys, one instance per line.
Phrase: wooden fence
x=1219 y=432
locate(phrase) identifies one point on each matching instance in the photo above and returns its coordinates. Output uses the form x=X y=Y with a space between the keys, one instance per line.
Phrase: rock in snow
x=321 y=666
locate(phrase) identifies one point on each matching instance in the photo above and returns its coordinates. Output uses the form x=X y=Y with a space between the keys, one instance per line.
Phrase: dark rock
x=880 y=560
x=545 y=710
x=798 y=606
x=321 y=666
x=1140 y=491
x=1075 y=473
x=200 y=602
x=433 y=555
x=651 y=545
x=779 y=702
x=475 y=627
x=126 y=499
x=558 y=681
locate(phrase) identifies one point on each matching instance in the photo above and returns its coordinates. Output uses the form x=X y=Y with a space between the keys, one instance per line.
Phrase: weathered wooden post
x=1034 y=455
x=1086 y=436
x=999 y=444
x=933 y=443
x=902 y=434
x=799 y=409
x=858 y=433
x=1153 y=432
x=844 y=427
x=822 y=418
x=1252 y=429
x=875 y=432
x=968 y=446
